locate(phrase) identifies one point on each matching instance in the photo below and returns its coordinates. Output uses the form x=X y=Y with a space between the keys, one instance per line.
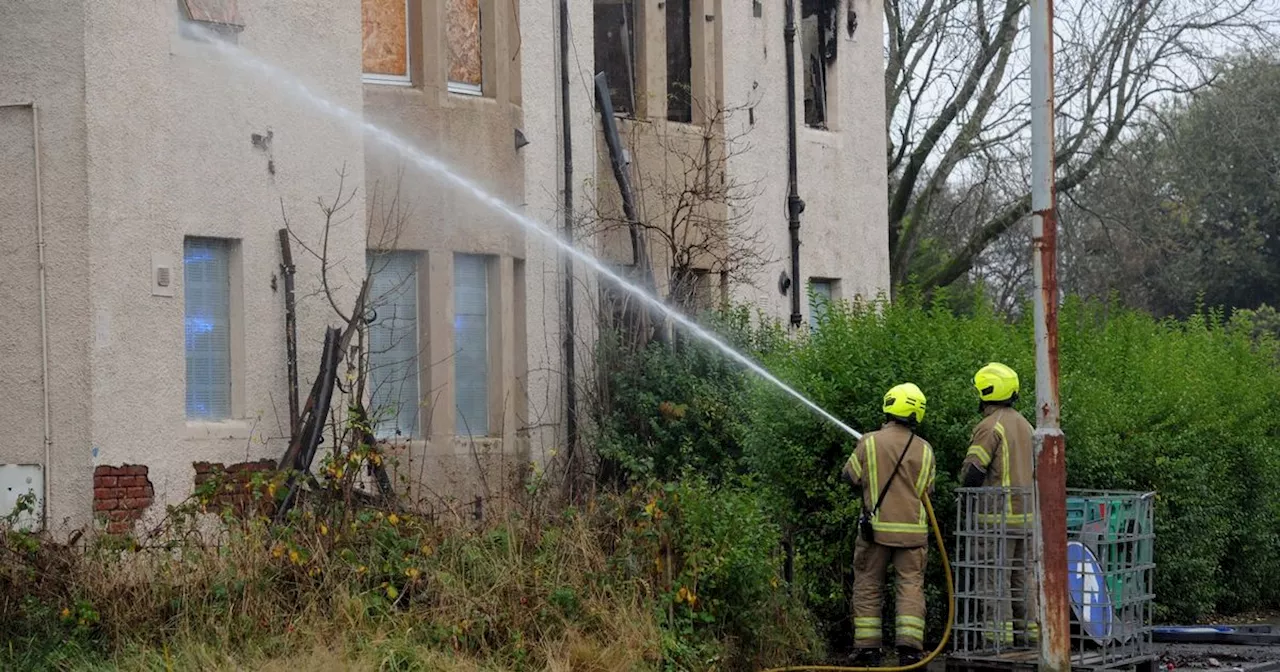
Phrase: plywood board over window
x=222 y=12
x=386 y=40
x=462 y=32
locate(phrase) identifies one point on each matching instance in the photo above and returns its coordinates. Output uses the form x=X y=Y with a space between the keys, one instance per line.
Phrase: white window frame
x=396 y=80
x=463 y=88
x=379 y=430
x=229 y=247
x=830 y=297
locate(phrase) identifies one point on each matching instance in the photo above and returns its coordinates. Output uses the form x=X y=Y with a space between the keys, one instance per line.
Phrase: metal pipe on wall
x=1050 y=470
x=44 y=313
x=566 y=132
x=795 y=205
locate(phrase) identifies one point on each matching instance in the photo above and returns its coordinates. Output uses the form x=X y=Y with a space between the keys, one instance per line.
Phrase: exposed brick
x=105 y=504
x=105 y=470
x=120 y=516
x=104 y=481
x=104 y=493
x=136 y=493
x=135 y=504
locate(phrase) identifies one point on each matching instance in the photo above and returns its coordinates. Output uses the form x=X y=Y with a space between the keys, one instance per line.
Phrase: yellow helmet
x=905 y=402
x=996 y=382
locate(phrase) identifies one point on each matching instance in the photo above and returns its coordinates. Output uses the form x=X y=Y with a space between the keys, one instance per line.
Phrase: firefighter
x=894 y=468
x=1001 y=455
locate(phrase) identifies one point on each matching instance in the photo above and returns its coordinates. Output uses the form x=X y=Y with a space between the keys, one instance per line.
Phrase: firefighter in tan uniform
x=1001 y=455
x=894 y=468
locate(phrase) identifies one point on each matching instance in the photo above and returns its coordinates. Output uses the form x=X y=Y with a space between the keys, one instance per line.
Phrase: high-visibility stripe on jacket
x=1002 y=446
x=901 y=520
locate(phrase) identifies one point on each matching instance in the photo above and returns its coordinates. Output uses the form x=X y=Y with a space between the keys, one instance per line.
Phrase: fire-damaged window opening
x=385 y=42
x=615 y=50
x=818 y=49
x=679 y=61
x=219 y=12
x=462 y=33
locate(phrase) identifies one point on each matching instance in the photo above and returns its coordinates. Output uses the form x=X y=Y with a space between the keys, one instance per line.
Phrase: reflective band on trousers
x=910 y=627
x=867 y=628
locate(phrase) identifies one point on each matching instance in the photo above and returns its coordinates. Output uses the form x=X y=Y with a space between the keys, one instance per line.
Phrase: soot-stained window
x=679 y=61
x=818 y=49
x=615 y=50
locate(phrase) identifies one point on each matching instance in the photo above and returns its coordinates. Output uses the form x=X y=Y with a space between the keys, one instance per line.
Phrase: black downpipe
x=566 y=132
x=795 y=206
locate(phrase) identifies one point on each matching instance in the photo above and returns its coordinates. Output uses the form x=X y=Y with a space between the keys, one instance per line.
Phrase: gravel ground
x=1203 y=657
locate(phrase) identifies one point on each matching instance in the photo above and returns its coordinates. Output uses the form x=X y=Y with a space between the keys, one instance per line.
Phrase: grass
x=345 y=587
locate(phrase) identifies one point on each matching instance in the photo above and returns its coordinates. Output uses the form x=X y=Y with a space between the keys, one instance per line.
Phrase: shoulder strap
x=885 y=490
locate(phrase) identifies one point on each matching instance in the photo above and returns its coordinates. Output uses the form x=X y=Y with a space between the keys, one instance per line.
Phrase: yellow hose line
x=946 y=634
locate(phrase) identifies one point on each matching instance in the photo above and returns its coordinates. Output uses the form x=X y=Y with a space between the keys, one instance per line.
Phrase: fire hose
x=946 y=633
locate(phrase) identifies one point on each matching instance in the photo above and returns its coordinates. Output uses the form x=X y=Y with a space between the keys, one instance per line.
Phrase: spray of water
x=437 y=168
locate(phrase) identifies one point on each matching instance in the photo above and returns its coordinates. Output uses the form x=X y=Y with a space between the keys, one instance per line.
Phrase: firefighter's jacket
x=1002 y=448
x=901 y=520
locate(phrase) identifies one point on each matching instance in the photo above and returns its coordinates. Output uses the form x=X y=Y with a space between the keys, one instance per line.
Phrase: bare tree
x=957 y=98
x=695 y=216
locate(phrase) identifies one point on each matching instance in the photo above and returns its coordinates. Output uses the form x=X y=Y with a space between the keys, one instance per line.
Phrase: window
x=679 y=61
x=615 y=50
x=385 y=46
x=206 y=291
x=818 y=50
x=820 y=296
x=221 y=12
x=393 y=344
x=471 y=343
x=462 y=34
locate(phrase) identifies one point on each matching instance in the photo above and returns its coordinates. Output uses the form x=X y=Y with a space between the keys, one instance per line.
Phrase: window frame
x=416 y=432
x=234 y=305
x=632 y=12
x=464 y=426
x=818 y=300
x=394 y=80
x=688 y=95
x=464 y=88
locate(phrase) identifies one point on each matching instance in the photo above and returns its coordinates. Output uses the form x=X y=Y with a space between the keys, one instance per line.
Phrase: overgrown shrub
x=1187 y=409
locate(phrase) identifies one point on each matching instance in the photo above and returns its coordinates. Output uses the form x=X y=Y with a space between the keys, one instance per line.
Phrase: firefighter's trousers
x=870 y=566
x=1008 y=589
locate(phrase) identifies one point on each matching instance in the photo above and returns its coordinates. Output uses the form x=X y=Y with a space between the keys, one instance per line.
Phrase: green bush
x=1187 y=409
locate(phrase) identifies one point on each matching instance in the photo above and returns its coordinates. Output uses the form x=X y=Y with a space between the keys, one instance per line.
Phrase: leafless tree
x=694 y=214
x=957 y=98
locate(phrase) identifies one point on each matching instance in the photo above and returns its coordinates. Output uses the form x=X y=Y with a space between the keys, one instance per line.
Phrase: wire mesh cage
x=1110 y=561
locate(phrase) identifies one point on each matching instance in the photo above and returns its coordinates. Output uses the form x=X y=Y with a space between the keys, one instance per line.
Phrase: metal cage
x=1110 y=549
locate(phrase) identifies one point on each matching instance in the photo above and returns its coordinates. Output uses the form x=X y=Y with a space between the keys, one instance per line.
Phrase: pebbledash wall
x=158 y=159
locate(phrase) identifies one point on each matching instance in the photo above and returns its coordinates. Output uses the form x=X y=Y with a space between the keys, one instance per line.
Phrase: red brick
x=105 y=504
x=104 y=481
x=131 y=481
x=104 y=493
x=135 y=504
x=105 y=470
x=136 y=493
x=121 y=516
x=133 y=470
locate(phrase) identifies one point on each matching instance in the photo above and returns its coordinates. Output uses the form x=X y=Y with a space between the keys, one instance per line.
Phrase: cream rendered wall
x=42 y=61
x=842 y=177
x=169 y=155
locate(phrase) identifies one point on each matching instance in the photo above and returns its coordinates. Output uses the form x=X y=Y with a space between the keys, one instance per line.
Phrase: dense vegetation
x=1186 y=409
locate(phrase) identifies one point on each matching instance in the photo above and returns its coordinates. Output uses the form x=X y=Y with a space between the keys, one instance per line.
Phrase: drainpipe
x=566 y=133
x=44 y=315
x=795 y=206
x=1051 y=471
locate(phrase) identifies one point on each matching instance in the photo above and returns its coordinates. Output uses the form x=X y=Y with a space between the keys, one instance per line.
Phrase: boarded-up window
x=222 y=12
x=679 y=61
x=462 y=32
x=615 y=50
x=386 y=40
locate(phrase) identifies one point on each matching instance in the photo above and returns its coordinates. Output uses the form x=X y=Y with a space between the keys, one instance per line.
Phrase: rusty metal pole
x=1051 y=470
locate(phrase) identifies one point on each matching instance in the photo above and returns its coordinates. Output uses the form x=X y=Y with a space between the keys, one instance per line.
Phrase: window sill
x=386 y=80
x=217 y=429
x=466 y=89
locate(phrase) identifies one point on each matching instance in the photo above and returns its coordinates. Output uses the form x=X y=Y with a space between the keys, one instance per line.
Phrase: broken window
x=615 y=50
x=818 y=49
x=462 y=32
x=679 y=61
x=222 y=12
x=385 y=45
